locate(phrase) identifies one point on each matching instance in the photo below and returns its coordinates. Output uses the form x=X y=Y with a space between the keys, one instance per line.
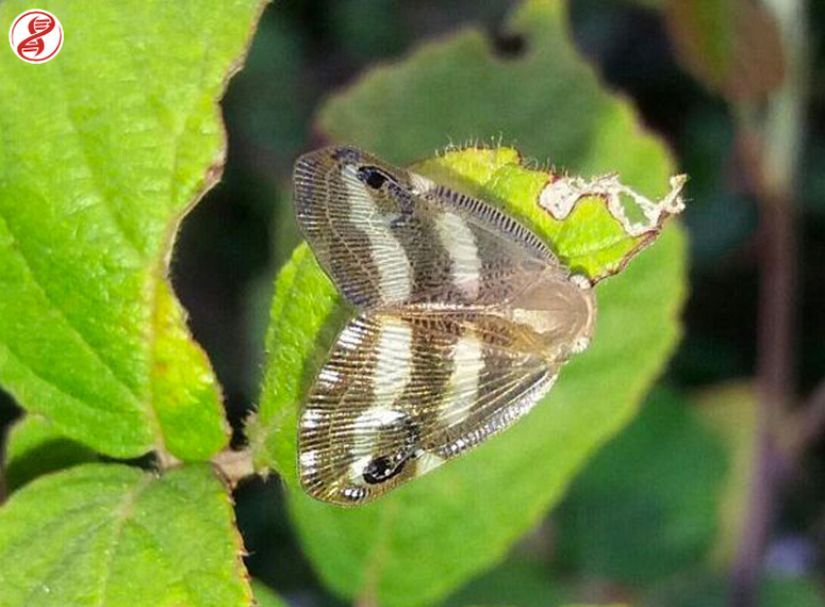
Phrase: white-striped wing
x=466 y=318
x=388 y=237
x=400 y=394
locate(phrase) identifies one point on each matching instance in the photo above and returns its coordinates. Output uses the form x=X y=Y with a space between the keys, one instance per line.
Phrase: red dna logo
x=34 y=45
x=36 y=36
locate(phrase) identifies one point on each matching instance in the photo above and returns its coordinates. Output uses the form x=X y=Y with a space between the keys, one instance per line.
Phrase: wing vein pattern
x=465 y=318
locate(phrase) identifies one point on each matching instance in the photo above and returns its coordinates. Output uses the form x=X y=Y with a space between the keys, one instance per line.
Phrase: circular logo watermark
x=36 y=36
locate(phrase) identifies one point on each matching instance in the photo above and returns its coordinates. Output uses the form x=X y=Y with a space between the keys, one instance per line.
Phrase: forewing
x=388 y=237
x=402 y=393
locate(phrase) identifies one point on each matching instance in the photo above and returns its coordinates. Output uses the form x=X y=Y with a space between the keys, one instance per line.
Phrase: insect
x=464 y=319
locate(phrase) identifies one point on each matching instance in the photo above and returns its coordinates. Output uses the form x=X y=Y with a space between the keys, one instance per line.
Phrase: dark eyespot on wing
x=373 y=177
x=383 y=468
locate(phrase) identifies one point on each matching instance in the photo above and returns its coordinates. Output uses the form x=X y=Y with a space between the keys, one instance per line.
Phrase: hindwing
x=402 y=393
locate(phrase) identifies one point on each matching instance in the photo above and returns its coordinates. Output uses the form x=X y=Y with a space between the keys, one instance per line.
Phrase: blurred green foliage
x=661 y=519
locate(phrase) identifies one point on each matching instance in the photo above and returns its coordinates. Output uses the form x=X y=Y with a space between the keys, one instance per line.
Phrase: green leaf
x=107 y=534
x=588 y=224
x=265 y=596
x=34 y=447
x=302 y=317
x=428 y=537
x=647 y=506
x=104 y=149
x=515 y=583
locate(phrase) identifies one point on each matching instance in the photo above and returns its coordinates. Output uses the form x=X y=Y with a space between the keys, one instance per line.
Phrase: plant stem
x=772 y=146
x=234 y=465
x=774 y=389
